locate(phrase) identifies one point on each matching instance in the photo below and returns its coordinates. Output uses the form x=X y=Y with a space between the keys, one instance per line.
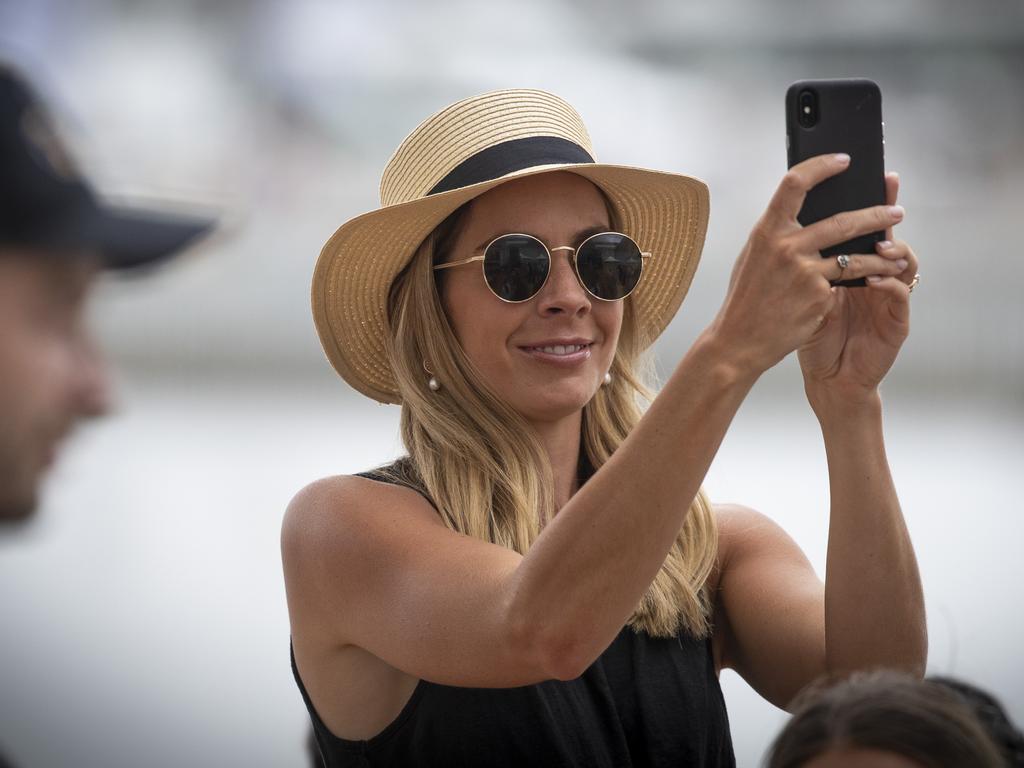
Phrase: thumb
x=897 y=293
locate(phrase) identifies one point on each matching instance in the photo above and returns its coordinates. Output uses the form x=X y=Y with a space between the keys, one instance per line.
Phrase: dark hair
x=886 y=711
x=990 y=713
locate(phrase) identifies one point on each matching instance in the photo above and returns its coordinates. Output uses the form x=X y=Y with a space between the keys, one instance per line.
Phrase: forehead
x=540 y=201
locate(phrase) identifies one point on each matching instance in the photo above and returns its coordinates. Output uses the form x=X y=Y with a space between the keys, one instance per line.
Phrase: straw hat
x=458 y=154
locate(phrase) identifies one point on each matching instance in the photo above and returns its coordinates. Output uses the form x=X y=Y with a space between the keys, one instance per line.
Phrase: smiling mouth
x=559 y=349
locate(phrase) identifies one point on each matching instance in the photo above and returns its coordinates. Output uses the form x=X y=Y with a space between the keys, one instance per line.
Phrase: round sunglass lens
x=609 y=265
x=516 y=266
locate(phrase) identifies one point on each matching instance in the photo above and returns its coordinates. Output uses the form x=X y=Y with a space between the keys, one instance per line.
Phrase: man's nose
x=563 y=293
x=92 y=382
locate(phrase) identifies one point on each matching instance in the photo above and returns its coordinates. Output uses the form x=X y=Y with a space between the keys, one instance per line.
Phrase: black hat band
x=510 y=156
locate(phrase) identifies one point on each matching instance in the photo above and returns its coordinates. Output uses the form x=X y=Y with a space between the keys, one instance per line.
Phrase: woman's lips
x=565 y=355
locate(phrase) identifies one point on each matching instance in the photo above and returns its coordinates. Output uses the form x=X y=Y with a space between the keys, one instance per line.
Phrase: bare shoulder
x=338 y=530
x=751 y=547
x=329 y=511
x=743 y=531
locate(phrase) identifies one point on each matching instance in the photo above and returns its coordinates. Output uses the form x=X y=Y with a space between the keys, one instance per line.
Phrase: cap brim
x=127 y=238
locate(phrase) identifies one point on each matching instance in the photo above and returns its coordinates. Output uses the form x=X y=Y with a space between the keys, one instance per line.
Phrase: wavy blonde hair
x=480 y=463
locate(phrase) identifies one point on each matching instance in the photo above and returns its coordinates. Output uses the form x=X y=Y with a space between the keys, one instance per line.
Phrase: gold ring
x=914 y=282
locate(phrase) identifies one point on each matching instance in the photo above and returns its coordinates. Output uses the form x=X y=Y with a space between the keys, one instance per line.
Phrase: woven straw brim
x=665 y=213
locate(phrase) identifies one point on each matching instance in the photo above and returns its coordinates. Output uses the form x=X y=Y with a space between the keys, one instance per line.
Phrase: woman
x=542 y=581
x=884 y=719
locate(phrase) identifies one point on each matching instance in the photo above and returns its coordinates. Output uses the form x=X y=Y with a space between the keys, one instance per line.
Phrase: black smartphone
x=829 y=116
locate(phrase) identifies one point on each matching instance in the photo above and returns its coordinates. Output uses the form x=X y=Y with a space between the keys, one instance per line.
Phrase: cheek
x=609 y=319
x=30 y=385
x=481 y=327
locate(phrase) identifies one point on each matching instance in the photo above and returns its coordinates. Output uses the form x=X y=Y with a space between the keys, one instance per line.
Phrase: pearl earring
x=432 y=382
x=607 y=379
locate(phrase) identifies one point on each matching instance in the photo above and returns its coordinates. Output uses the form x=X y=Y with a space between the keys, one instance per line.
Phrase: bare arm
x=778 y=626
x=874 y=605
x=870 y=612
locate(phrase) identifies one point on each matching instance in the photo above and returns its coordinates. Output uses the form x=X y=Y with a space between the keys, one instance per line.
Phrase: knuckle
x=787 y=250
x=869 y=265
x=792 y=181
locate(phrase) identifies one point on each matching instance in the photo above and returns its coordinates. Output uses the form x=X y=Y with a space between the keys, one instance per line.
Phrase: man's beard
x=16 y=512
x=19 y=496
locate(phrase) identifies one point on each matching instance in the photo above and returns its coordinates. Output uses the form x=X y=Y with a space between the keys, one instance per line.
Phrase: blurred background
x=143 y=615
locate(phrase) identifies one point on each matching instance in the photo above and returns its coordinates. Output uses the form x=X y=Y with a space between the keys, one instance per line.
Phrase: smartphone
x=829 y=116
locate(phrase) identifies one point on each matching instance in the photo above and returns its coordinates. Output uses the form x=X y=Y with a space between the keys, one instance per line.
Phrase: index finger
x=801 y=179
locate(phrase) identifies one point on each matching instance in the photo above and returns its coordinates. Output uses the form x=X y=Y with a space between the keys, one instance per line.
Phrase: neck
x=561 y=440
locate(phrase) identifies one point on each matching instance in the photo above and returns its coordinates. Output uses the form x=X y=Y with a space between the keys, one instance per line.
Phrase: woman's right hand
x=780 y=289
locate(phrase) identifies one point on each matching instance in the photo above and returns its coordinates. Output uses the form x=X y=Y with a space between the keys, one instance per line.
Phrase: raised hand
x=780 y=292
x=861 y=334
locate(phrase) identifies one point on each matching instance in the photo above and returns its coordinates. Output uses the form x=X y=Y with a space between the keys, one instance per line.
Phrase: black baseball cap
x=46 y=203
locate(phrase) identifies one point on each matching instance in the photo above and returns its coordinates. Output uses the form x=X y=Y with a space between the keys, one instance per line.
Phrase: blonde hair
x=489 y=477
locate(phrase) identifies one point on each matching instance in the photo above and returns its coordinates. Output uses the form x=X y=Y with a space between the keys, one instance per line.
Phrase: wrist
x=832 y=407
x=730 y=362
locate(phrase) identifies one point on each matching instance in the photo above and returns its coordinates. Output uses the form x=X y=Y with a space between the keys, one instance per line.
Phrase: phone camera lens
x=807 y=108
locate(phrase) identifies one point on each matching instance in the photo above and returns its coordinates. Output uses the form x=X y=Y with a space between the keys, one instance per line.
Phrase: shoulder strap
x=399 y=472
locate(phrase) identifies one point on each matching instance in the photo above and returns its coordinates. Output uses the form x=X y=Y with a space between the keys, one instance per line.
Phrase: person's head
x=882 y=720
x=53 y=374
x=55 y=237
x=481 y=354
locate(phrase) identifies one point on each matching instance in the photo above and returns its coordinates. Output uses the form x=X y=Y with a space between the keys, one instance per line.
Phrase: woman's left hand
x=862 y=333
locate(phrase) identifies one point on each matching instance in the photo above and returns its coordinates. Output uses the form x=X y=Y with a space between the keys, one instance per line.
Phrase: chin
x=553 y=405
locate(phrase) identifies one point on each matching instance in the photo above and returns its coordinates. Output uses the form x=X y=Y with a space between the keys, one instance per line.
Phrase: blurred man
x=55 y=238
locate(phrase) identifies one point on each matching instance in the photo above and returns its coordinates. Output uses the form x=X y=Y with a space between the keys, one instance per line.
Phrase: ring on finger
x=843 y=261
x=913 y=283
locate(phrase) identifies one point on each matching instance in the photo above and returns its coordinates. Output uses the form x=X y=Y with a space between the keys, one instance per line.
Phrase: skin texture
x=381 y=594
x=53 y=375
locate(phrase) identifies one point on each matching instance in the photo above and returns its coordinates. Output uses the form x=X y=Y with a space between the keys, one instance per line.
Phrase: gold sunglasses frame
x=644 y=255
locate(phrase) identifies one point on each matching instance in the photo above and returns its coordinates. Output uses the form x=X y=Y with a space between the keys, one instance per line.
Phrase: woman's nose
x=563 y=293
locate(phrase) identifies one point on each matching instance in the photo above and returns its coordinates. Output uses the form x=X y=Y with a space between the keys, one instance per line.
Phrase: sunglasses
x=516 y=266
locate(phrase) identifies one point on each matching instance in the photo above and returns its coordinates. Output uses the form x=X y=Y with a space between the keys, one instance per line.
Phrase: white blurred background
x=142 y=615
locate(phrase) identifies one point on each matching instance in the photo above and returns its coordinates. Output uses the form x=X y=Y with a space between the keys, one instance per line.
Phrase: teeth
x=561 y=349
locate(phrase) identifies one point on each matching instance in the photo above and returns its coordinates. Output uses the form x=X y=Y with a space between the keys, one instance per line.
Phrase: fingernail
x=893 y=175
x=885 y=245
x=896 y=211
x=901 y=263
x=874 y=278
x=842 y=157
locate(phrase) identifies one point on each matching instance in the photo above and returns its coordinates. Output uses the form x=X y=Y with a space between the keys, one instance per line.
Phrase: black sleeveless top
x=644 y=702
